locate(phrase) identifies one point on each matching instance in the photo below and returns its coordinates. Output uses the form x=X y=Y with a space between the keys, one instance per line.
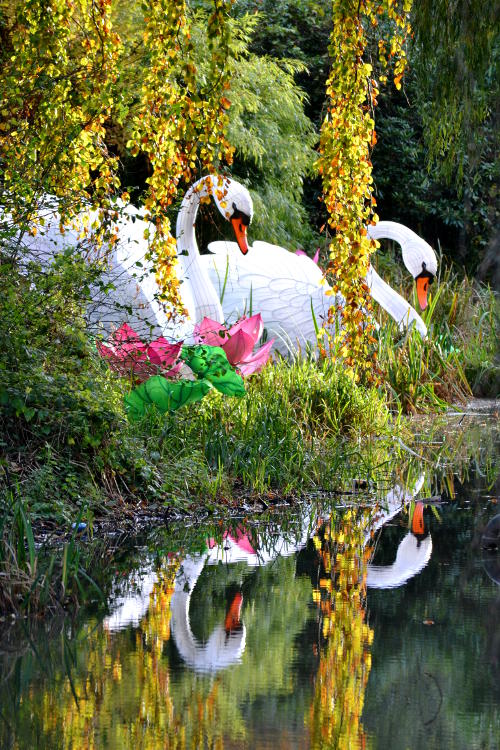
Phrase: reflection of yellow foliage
x=335 y=715
x=135 y=685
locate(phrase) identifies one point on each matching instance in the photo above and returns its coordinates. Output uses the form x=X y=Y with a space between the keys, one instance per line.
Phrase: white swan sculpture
x=286 y=288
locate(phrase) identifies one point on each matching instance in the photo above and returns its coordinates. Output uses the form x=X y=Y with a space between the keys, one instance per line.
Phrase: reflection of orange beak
x=232 y=619
x=422 y=289
x=240 y=231
x=417 y=522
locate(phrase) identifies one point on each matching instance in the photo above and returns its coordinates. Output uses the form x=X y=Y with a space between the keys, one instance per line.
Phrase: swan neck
x=392 y=302
x=200 y=297
x=186 y=219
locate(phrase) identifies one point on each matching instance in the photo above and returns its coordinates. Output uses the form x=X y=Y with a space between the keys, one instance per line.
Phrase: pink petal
x=238 y=347
x=173 y=372
x=300 y=252
x=125 y=334
x=121 y=359
x=162 y=353
x=127 y=341
x=209 y=332
x=244 y=542
x=252 y=326
x=142 y=370
x=257 y=361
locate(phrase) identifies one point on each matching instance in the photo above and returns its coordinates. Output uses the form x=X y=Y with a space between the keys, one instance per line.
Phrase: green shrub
x=59 y=405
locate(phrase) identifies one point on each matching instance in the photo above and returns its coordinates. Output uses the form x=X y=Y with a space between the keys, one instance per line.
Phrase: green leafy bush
x=59 y=405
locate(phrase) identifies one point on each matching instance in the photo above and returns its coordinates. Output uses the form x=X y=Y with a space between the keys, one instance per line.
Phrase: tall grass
x=459 y=357
x=278 y=436
x=32 y=581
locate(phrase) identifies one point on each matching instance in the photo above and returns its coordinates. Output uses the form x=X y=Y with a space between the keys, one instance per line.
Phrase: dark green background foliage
x=436 y=164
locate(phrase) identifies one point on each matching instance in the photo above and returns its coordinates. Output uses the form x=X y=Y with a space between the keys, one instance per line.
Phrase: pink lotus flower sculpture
x=238 y=342
x=127 y=353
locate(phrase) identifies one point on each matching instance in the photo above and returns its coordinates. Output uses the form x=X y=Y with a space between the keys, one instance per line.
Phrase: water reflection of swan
x=226 y=643
x=131 y=608
x=412 y=556
x=414 y=550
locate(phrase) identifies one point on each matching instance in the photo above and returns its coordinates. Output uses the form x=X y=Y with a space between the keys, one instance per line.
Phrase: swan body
x=286 y=288
x=133 y=293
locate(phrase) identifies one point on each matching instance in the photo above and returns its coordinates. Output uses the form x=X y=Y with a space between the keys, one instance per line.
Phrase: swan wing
x=273 y=282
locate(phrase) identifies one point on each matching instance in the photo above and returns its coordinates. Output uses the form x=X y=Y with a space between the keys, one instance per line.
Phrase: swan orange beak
x=232 y=619
x=417 y=522
x=422 y=289
x=240 y=231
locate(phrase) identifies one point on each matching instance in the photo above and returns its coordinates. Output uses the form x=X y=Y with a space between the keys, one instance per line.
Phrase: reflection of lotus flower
x=238 y=342
x=126 y=353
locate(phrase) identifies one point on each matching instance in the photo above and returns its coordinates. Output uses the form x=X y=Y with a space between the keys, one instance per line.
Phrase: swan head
x=418 y=256
x=423 y=282
x=233 y=201
x=235 y=204
x=420 y=260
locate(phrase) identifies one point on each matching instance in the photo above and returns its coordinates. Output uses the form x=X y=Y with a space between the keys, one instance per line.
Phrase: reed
x=459 y=357
x=34 y=580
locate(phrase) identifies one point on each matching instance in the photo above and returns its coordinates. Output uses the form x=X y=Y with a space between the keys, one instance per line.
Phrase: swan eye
x=241 y=216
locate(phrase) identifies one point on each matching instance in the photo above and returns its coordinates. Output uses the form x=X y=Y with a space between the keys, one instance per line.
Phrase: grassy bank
x=66 y=441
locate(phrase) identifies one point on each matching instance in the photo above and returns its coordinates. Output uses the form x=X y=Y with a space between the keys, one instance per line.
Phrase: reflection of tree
x=121 y=698
x=130 y=696
x=335 y=716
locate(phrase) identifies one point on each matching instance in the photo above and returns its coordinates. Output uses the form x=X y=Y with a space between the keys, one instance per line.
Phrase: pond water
x=264 y=635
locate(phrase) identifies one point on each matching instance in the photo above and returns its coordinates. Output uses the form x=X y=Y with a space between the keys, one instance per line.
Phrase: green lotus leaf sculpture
x=211 y=368
x=211 y=363
x=166 y=395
